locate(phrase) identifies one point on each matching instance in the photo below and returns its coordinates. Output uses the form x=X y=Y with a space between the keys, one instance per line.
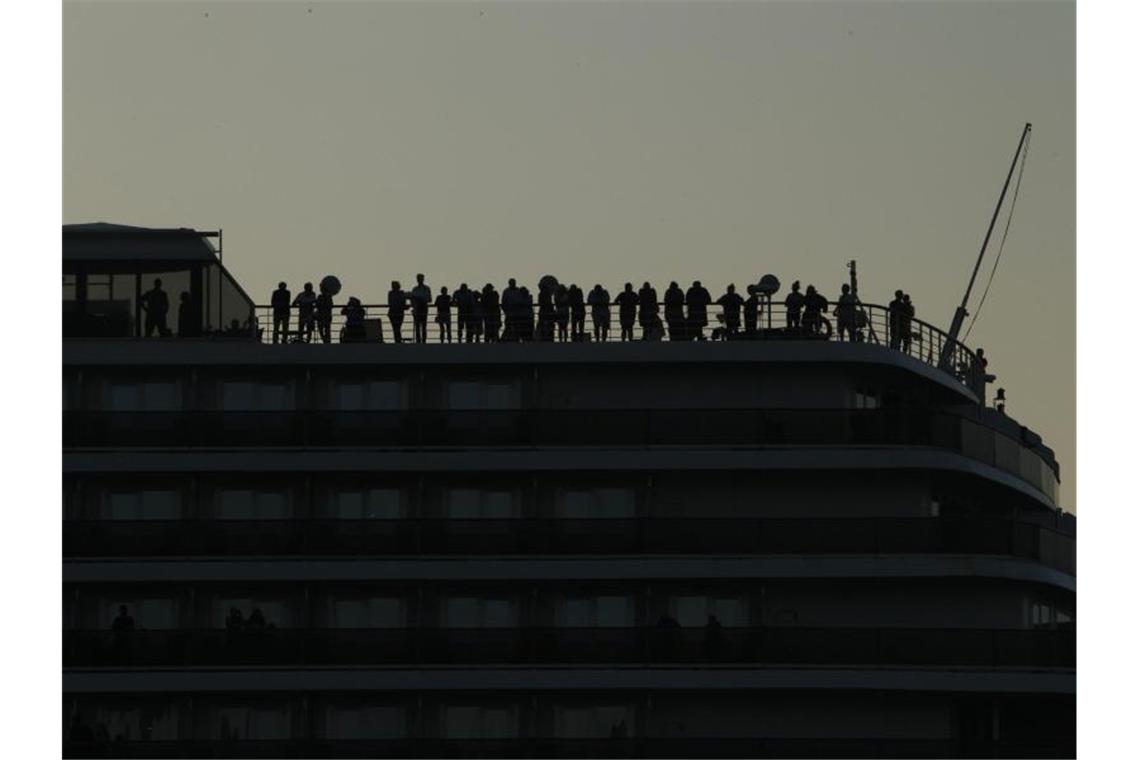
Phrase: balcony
x=418 y=537
x=943 y=647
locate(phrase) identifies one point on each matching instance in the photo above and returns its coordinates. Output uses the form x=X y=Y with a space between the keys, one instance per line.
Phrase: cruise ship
x=785 y=546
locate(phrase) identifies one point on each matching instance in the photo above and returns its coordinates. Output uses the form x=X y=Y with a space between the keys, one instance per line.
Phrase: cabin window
x=596 y=504
x=484 y=394
x=479 y=612
x=370 y=395
x=481 y=504
x=368 y=504
x=596 y=612
x=480 y=722
x=365 y=722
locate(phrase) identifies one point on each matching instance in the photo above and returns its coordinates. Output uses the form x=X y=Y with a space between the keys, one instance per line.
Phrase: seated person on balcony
x=281 y=301
x=599 y=302
x=751 y=311
x=155 y=303
x=492 y=318
x=731 y=302
x=353 y=321
x=305 y=302
x=627 y=311
x=794 y=305
x=675 y=311
x=443 y=314
x=845 y=314
x=397 y=304
x=420 y=297
x=815 y=306
x=895 y=310
x=698 y=299
x=324 y=307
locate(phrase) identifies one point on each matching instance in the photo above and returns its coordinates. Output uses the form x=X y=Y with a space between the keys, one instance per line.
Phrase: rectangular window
x=142 y=505
x=480 y=722
x=593 y=722
x=694 y=611
x=866 y=399
x=260 y=396
x=469 y=394
x=597 y=504
x=479 y=612
x=249 y=723
x=148 y=396
x=481 y=504
x=597 y=612
x=354 y=395
x=149 y=614
x=368 y=504
x=373 y=612
x=249 y=504
x=365 y=722
x=275 y=611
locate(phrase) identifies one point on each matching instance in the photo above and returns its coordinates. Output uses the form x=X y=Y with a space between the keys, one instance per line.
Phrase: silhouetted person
x=647 y=307
x=896 y=309
x=562 y=312
x=324 y=307
x=511 y=302
x=353 y=313
x=156 y=305
x=234 y=620
x=845 y=314
x=714 y=638
x=675 y=311
x=397 y=305
x=577 y=301
x=751 y=311
x=667 y=636
x=123 y=628
x=475 y=317
x=491 y=314
x=462 y=301
x=281 y=300
x=420 y=298
x=443 y=314
x=124 y=622
x=908 y=316
x=599 y=302
x=627 y=311
x=731 y=303
x=188 y=323
x=815 y=306
x=794 y=305
x=545 y=313
x=256 y=620
x=698 y=300
x=526 y=313
x=306 y=303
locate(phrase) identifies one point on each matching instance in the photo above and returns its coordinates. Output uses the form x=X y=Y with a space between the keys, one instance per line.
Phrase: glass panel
x=244 y=395
x=251 y=723
x=245 y=504
x=365 y=722
x=498 y=613
x=479 y=722
x=274 y=611
x=463 y=504
x=498 y=505
x=368 y=613
x=463 y=395
x=499 y=396
x=616 y=502
x=462 y=612
x=576 y=613
x=142 y=505
x=614 y=612
x=593 y=722
x=154 y=721
x=350 y=396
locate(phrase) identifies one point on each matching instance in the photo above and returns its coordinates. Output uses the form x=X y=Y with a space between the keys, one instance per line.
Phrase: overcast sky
x=602 y=142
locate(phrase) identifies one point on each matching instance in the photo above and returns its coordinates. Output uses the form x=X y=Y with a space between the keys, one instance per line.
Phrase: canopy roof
x=100 y=241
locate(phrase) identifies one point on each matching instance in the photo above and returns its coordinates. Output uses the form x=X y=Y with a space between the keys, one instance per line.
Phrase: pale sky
x=603 y=142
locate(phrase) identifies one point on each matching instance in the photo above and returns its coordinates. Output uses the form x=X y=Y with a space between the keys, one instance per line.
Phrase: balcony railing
x=563 y=427
x=649 y=535
x=948 y=647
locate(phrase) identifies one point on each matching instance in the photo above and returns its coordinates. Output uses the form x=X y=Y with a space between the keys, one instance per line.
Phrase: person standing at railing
x=896 y=309
x=647 y=308
x=845 y=314
x=815 y=306
x=324 y=305
x=793 y=307
x=420 y=298
x=305 y=301
x=511 y=302
x=491 y=314
x=443 y=314
x=462 y=301
x=751 y=312
x=562 y=312
x=155 y=303
x=906 y=322
x=731 y=303
x=675 y=311
x=577 y=313
x=627 y=311
x=475 y=317
x=397 y=304
x=526 y=313
x=545 y=313
x=599 y=302
x=281 y=301
x=698 y=299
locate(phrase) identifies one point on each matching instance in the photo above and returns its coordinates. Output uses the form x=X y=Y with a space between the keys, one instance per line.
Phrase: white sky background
x=602 y=142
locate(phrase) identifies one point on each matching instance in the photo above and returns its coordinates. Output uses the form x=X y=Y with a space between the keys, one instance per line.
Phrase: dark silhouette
x=627 y=311
x=647 y=308
x=353 y=321
x=545 y=313
x=443 y=314
x=188 y=324
x=512 y=304
x=845 y=314
x=156 y=305
x=324 y=304
x=675 y=311
x=281 y=300
x=815 y=306
x=896 y=310
x=256 y=620
x=420 y=298
x=577 y=301
x=698 y=300
x=794 y=304
x=731 y=302
x=123 y=628
x=562 y=312
x=397 y=305
x=234 y=621
x=491 y=314
x=599 y=302
x=751 y=311
x=905 y=323
x=714 y=638
x=475 y=317
x=526 y=314
x=462 y=300
x=124 y=622
x=305 y=302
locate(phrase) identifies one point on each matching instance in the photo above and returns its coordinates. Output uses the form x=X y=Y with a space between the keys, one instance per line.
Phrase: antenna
x=945 y=361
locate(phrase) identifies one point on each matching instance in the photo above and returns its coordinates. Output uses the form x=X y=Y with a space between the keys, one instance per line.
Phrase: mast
x=946 y=359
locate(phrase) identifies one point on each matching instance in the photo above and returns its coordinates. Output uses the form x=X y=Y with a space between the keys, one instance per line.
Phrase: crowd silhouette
x=557 y=313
